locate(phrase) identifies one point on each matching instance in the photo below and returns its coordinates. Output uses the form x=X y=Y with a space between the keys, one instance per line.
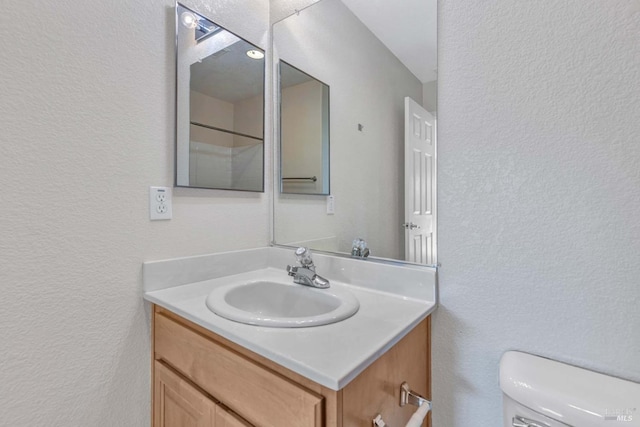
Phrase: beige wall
x=246 y=111
x=210 y=111
x=87 y=119
x=239 y=117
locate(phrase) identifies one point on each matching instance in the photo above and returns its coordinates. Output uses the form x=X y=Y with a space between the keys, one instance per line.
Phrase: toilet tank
x=546 y=393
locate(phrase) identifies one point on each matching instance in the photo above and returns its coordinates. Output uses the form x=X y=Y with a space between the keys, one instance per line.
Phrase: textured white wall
x=86 y=119
x=539 y=193
x=280 y=9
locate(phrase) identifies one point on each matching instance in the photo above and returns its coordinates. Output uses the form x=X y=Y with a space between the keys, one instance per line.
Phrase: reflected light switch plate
x=331 y=205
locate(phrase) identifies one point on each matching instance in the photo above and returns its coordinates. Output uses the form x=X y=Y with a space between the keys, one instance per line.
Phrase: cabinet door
x=227 y=419
x=261 y=396
x=178 y=404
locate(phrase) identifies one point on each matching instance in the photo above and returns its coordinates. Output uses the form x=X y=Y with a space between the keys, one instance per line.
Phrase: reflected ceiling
x=407 y=27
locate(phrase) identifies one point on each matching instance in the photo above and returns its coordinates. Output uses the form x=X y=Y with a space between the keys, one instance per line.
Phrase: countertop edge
x=345 y=380
x=312 y=375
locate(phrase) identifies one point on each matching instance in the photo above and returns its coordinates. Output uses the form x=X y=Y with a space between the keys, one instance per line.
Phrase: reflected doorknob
x=410 y=226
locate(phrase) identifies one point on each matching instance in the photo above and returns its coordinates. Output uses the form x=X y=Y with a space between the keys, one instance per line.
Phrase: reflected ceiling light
x=255 y=54
x=189 y=20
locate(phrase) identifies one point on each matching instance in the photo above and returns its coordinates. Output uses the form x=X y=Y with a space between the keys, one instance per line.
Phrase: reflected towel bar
x=310 y=178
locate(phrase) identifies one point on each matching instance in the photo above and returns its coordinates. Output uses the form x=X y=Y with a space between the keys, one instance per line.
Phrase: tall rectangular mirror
x=304 y=132
x=220 y=106
x=379 y=59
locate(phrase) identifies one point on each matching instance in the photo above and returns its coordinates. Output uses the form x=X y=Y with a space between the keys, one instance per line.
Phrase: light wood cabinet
x=202 y=380
x=227 y=419
x=179 y=404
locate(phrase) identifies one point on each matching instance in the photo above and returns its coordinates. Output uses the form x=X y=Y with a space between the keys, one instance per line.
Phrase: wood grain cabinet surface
x=179 y=404
x=203 y=380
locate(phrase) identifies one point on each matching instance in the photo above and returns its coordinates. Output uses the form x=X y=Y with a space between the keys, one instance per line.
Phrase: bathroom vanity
x=211 y=371
x=201 y=377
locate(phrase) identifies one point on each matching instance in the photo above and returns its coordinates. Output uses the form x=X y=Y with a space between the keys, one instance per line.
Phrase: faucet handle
x=303 y=255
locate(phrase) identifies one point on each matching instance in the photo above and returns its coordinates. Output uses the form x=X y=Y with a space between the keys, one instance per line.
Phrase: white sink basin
x=282 y=305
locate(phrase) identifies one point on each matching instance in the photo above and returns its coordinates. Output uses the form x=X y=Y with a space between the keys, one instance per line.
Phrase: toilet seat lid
x=569 y=394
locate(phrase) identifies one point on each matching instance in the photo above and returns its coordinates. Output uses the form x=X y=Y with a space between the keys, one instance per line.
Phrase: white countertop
x=331 y=355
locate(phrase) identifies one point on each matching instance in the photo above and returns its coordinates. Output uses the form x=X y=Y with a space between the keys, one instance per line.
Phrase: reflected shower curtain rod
x=225 y=131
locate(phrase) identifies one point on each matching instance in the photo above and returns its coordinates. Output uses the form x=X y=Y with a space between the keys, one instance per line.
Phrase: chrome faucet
x=359 y=249
x=305 y=273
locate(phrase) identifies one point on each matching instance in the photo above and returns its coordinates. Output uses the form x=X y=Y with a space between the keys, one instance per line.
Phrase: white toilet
x=539 y=392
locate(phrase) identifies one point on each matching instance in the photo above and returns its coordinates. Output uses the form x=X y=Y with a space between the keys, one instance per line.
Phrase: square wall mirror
x=220 y=106
x=304 y=132
x=379 y=58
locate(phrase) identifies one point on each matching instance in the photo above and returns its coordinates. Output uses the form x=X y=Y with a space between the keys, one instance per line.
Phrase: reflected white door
x=419 y=183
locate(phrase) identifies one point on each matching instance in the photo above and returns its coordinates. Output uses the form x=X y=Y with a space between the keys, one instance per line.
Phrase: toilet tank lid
x=569 y=394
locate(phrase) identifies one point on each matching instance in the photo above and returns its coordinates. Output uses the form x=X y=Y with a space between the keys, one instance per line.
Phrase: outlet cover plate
x=160 y=203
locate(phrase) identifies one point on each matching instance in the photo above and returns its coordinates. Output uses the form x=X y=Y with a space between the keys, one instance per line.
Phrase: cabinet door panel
x=227 y=419
x=259 y=395
x=178 y=404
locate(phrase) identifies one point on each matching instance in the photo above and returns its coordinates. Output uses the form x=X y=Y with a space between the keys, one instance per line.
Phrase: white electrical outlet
x=331 y=205
x=159 y=203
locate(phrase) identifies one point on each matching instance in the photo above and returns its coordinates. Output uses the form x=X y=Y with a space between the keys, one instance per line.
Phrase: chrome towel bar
x=407 y=397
